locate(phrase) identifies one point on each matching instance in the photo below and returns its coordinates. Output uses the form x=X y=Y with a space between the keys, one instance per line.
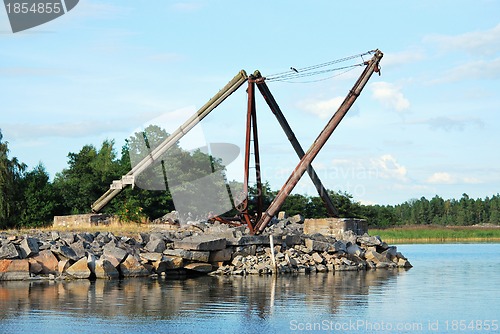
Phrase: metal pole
x=319 y=142
x=248 y=138
x=258 y=180
x=273 y=105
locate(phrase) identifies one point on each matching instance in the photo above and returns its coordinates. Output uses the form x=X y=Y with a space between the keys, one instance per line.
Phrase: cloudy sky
x=429 y=125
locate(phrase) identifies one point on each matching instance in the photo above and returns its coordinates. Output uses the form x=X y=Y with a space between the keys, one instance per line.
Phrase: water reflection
x=206 y=296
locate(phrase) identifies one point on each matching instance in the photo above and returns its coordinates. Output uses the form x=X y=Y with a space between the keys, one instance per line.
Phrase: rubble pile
x=196 y=248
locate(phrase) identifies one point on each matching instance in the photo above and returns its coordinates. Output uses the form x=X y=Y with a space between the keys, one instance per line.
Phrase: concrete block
x=201 y=243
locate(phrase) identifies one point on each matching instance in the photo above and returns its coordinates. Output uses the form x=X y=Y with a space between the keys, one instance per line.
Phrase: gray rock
x=249 y=240
x=105 y=270
x=9 y=251
x=369 y=241
x=297 y=219
x=338 y=246
x=292 y=240
x=85 y=237
x=221 y=255
x=354 y=249
x=199 y=267
x=110 y=250
x=201 y=243
x=317 y=246
x=65 y=251
x=131 y=267
x=67 y=237
x=80 y=248
x=79 y=269
x=188 y=255
x=249 y=250
x=153 y=257
x=143 y=238
x=156 y=245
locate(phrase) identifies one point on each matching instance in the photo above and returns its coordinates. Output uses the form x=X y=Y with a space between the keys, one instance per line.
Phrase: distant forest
x=29 y=199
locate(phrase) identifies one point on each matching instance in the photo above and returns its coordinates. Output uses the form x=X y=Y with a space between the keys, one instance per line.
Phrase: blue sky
x=427 y=126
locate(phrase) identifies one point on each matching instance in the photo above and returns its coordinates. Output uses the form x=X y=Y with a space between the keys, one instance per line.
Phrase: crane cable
x=316 y=70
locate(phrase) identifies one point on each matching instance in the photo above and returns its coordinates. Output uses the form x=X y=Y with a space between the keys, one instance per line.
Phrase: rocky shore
x=194 y=249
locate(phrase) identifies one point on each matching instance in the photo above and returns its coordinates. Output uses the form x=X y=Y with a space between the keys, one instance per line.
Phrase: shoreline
x=200 y=248
x=439 y=234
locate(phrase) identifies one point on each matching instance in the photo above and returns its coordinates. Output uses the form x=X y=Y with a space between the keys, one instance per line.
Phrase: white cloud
x=450 y=123
x=388 y=167
x=480 y=69
x=322 y=108
x=390 y=96
x=447 y=178
x=472 y=180
x=441 y=178
x=485 y=43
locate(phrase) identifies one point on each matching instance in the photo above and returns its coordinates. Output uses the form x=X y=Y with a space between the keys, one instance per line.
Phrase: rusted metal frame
x=258 y=180
x=372 y=66
x=273 y=105
x=248 y=139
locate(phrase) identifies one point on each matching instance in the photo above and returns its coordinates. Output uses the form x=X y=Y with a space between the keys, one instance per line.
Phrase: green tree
x=11 y=171
x=175 y=170
x=39 y=202
x=88 y=176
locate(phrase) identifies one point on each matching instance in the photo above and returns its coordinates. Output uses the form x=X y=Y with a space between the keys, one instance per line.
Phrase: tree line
x=28 y=198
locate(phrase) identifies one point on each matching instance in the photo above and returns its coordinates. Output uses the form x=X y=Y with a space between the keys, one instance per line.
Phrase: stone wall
x=84 y=220
x=335 y=227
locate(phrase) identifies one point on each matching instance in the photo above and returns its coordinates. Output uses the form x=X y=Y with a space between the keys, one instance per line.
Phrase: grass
x=125 y=229
x=406 y=234
x=436 y=234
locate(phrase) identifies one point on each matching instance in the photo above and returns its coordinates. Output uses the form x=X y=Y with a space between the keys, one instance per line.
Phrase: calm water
x=452 y=288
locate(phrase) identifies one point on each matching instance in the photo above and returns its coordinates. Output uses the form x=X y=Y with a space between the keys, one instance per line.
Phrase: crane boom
x=128 y=179
x=308 y=157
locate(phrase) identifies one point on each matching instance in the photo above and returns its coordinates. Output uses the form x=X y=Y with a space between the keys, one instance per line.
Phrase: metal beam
x=305 y=162
x=127 y=179
x=273 y=105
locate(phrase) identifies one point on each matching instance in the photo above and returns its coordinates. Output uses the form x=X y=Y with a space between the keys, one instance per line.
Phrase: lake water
x=453 y=288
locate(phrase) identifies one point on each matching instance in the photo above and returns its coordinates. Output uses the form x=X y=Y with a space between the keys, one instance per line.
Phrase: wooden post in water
x=271 y=244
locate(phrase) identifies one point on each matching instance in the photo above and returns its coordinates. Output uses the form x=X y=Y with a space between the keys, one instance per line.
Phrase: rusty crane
x=258 y=221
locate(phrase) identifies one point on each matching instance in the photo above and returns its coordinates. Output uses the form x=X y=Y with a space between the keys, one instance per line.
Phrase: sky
x=428 y=125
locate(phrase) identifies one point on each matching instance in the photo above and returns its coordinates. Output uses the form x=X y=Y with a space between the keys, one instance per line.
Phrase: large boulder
x=14 y=270
x=155 y=246
x=79 y=269
x=8 y=251
x=201 y=243
x=48 y=261
x=131 y=267
x=105 y=269
x=65 y=252
x=111 y=251
x=28 y=247
x=199 y=267
x=197 y=256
